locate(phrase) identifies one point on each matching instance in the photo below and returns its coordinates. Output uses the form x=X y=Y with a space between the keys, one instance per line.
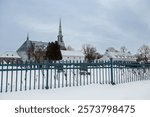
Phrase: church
x=23 y=51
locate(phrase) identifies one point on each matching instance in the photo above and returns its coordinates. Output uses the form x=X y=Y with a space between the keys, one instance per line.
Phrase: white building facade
x=9 y=56
x=72 y=55
x=121 y=56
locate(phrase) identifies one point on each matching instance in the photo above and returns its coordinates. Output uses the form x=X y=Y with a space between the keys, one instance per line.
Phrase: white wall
x=73 y=58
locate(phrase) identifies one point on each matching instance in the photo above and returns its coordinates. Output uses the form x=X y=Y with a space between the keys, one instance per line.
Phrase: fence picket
x=2 y=77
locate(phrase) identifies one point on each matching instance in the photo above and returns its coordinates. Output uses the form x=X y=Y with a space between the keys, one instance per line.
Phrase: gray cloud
x=103 y=23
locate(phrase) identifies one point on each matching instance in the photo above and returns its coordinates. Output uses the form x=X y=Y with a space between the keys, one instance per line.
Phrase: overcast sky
x=101 y=23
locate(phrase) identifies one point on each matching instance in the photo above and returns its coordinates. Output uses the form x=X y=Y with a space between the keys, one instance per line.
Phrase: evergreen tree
x=58 y=55
x=48 y=51
x=53 y=51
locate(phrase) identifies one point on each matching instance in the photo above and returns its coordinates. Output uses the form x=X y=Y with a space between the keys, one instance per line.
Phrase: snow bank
x=129 y=91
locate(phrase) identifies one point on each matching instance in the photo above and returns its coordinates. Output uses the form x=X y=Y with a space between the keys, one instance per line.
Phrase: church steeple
x=27 y=36
x=60 y=37
x=60 y=30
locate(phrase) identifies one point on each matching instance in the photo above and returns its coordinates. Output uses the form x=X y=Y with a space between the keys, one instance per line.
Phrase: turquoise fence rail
x=48 y=75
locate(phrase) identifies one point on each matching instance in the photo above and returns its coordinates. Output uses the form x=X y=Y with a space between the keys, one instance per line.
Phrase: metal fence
x=48 y=75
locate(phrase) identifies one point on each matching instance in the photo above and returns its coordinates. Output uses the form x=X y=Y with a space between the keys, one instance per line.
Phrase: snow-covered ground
x=139 y=90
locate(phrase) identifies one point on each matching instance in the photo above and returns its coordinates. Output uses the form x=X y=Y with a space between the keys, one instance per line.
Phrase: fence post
x=111 y=63
x=47 y=87
x=2 y=64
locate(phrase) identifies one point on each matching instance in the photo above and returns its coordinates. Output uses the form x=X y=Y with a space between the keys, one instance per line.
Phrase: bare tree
x=144 y=53
x=98 y=55
x=144 y=50
x=123 y=49
x=30 y=52
x=39 y=55
x=89 y=52
x=36 y=53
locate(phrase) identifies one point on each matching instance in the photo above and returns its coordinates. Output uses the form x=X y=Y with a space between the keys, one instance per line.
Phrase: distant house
x=116 y=55
x=72 y=55
x=9 y=56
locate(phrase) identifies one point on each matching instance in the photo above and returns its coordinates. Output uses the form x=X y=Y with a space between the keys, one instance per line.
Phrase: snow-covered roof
x=36 y=44
x=117 y=54
x=72 y=53
x=9 y=54
x=104 y=58
x=120 y=56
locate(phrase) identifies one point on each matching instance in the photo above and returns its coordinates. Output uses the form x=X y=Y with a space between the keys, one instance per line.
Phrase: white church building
x=72 y=55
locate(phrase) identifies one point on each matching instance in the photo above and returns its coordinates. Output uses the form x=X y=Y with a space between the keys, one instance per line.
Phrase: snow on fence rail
x=48 y=75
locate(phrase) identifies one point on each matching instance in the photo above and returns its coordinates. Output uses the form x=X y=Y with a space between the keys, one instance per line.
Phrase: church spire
x=27 y=36
x=60 y=30
x=60 y=37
